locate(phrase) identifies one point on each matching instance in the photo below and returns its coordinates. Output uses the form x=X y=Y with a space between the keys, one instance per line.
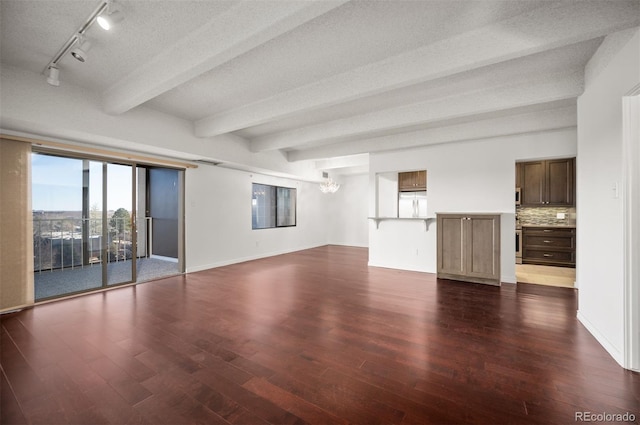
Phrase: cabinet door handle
x=547 y=230
x=547 y=255
x=548 y=241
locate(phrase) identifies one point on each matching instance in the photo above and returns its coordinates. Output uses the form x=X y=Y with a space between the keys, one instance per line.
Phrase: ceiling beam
x=533 y=32
x=544 y=120
x=243 y=27
x=343 y=162
x=543 y=89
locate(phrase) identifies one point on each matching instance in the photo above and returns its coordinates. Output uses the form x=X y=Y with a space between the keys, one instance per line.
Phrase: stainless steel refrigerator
x=412 y=204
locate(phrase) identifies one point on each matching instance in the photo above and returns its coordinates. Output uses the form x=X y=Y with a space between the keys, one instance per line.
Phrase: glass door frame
x=106 y=250
x=134 y=225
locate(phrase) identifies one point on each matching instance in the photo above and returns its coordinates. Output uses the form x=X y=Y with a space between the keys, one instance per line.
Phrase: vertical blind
x=16 y=226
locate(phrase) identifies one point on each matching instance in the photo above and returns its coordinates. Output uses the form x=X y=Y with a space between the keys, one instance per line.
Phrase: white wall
x=612 y=72
x=348 y=212
x=474 y=176
x=218 y=218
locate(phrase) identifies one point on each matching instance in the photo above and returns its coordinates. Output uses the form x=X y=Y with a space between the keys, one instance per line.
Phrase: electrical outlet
x=560 y=216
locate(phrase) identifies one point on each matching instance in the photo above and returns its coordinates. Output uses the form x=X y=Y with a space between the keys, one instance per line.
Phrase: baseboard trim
x=245 y=259
x=509 y=279
x=409 y=269
x=16 y=309
x=602 y=340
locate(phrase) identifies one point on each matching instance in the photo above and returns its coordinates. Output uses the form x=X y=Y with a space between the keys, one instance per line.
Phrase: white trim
x=631 y=216
x=509 y=279
x=244 y=259
x=408 y=268
x=601 y=338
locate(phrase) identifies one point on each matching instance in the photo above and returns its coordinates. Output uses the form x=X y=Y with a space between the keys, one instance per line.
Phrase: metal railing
x=68 y=243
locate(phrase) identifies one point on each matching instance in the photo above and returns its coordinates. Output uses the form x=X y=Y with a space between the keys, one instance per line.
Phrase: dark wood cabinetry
x=552 y=246
x=412 y=181
x=547 y=183
x=469 y=247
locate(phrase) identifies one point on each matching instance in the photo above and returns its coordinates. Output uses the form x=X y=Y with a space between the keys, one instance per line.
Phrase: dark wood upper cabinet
x=560 y=182
x=518 y=174
x=548 y=183
x=533 y=183
x=412 y=181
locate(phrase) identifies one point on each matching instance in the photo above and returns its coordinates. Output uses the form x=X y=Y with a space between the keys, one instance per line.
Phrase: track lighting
x=107 y=13
x=81 y=50
x=53 y=76
x=111 y=16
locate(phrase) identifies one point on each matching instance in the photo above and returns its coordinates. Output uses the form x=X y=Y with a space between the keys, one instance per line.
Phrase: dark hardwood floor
x=310 y=337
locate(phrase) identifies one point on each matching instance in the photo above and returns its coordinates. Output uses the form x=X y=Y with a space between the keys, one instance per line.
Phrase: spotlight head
x=111 y=16
x=81 y=52
x=53 y=77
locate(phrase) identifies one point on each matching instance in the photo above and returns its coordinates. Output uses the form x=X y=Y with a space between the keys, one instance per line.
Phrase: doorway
x=91 y=227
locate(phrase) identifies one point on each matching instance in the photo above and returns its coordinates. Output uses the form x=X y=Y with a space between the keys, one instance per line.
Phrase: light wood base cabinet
x=469 y=247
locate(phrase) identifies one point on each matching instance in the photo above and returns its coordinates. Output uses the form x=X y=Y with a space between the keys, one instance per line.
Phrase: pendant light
x=328 y=185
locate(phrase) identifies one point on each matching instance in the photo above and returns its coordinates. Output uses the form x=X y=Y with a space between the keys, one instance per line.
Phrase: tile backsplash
x=546 y=216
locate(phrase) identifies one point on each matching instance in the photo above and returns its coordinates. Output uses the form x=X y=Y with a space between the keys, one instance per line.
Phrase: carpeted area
x=61 y=282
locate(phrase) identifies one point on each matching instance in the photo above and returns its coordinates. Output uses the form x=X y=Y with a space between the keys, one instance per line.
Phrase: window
x=272 y=206
x=286 y=207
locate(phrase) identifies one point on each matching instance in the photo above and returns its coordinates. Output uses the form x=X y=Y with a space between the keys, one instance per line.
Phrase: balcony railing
x=78 y=242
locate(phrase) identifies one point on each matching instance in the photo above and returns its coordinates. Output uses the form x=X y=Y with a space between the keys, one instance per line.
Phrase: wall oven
x=518 y=246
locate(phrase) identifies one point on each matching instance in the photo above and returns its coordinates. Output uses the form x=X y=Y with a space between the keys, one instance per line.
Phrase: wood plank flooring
x=546 y=275
x=311 y=337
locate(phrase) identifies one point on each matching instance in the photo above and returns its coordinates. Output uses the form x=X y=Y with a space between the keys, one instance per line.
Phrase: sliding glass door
x=100 y=223
x=90 y=274
x=119 y=226
x=66 y=233
x=84 y=235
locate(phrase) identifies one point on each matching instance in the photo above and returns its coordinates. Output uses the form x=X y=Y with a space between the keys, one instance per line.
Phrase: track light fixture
x=81 y=51
x=107 y=13
x=53 y=75
x=111 y=16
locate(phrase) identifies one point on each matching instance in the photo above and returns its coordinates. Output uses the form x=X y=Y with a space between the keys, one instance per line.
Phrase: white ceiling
x=323 y=79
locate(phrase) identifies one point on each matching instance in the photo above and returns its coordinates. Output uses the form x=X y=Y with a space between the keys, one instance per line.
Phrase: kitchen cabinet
x=412 y=181
x=548 y=183
x=551 y=246
x=518 y=175
x=468 y=247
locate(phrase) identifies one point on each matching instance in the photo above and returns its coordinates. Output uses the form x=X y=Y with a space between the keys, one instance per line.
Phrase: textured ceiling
x=319 y=79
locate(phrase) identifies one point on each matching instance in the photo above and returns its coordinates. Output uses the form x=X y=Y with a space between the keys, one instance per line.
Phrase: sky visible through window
x=57 y=184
